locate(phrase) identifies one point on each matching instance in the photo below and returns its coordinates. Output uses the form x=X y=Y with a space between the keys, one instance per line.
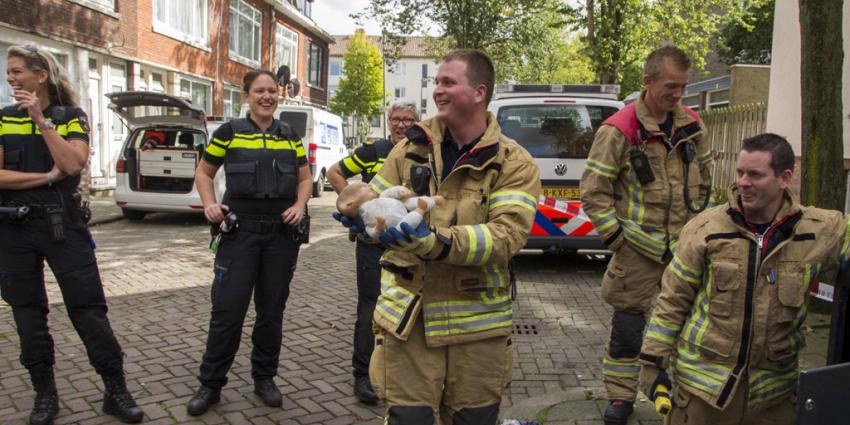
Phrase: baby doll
x=395 y=205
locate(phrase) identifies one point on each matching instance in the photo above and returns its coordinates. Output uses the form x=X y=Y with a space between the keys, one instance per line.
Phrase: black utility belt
x=267 y=225
x=19 y=211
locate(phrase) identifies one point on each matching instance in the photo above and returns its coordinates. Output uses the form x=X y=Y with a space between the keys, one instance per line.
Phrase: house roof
x=414 y=48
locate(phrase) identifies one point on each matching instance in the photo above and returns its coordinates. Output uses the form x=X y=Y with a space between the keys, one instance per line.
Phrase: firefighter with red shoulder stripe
x=647 y=174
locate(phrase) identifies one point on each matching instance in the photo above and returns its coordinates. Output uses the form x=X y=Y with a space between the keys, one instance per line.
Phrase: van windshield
x=553 y=131
x=296 y=120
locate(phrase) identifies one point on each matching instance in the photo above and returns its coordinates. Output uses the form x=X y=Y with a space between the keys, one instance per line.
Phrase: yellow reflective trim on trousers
x=688 y=274
x=512 y=197
x=603 y=170
x=380 y=184
x=621 y=368
x=480 y=243
x=768 y=385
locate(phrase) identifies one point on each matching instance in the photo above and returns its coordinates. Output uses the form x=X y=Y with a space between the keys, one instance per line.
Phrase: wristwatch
x=46 y=125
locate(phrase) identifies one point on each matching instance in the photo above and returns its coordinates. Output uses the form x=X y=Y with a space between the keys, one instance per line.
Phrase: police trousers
x=460 y=384
x=630 y=284
x=246 y=263
x=24 y=247
x=368 y=290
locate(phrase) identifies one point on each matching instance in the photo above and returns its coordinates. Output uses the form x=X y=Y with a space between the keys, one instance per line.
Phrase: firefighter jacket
x=733 y=302
x=463 y=286
x=25 y=150
x=648 y=216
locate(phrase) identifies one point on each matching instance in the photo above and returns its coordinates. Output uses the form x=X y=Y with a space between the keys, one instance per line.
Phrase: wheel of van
x=319 y=185
x=133 y=214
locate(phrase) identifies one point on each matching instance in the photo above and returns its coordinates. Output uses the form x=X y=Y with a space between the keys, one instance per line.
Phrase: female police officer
x=44 y=138
x=268 y=185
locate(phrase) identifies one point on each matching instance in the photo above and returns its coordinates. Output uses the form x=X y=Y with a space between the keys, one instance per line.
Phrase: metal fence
x=727 y=127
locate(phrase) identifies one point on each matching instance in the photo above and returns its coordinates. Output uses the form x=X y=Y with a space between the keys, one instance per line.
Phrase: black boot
x=118 y=402
x=202 y=400
x=364 y=391
x=46 y=404
x=268 y=392
x=618 y=412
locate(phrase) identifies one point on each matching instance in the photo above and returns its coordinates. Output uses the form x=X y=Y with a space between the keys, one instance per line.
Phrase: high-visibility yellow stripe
x=215 y=150
x=17 y=129
x=513 y=197
x=380 y=184
x=480 y=244
x=604 y=170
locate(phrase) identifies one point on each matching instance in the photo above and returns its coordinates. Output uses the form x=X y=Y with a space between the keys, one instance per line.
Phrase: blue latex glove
x=419 y=241
x=355 y=226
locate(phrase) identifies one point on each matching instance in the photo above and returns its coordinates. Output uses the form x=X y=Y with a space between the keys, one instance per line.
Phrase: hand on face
x=29 y=101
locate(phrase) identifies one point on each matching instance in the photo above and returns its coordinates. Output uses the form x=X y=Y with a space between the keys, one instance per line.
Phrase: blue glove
x=355 y=226
x=419 y=241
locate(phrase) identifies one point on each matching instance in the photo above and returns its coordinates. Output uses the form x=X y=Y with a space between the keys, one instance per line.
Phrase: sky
x=332 y=16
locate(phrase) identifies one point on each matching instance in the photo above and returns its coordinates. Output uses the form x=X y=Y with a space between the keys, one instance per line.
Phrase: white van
x=156 y=165
x=556 y=123
x=321 y=135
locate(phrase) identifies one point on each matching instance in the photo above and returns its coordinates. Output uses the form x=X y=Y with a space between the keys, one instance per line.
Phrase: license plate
x=561 y=192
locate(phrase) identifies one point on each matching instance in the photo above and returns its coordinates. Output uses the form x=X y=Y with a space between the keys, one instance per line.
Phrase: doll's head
x=352 y=197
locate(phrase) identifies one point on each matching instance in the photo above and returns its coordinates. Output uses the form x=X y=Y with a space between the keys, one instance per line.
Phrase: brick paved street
x=157 y=274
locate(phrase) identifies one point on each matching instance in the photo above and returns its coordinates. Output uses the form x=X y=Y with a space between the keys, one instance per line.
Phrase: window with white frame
x=105 y=5
x=315 y=65
x=335 y=67
x=375 y=121
x=185 y=20
x=399 y=92
x=200 y=93
x=232 y=102
x=400 y=68
x=286 y=48
x=717 y=99
x=246 y=25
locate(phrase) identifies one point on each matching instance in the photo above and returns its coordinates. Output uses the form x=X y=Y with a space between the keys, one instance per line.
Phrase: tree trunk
x=823 y=176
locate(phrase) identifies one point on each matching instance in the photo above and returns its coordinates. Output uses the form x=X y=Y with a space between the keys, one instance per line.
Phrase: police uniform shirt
x=366 y=160
x=25 y=150
x=279 y=136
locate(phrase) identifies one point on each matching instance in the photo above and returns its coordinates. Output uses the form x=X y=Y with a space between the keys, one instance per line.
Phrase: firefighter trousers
x=458 y=384
x=246 y=263
x=368 y=290
x=689 y=409
x=630 y=284
x=23 y=249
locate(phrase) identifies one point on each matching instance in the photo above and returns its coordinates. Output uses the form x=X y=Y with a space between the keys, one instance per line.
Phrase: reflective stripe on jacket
x=732 y=307
x=647 y=216
x=462 y=288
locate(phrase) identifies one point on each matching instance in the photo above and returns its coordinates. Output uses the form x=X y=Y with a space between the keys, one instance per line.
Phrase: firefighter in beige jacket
x=733 y=299
x=647 y=174
x=443 y=348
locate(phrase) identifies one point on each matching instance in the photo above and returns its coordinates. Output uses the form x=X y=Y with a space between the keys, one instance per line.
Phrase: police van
x=556 y=123
x=321 y=135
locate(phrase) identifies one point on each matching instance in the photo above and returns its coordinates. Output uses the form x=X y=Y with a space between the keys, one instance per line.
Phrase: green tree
x=517 y=34
x=620 y=33
x=822 y=59
x=750 y=38
x=360 y=92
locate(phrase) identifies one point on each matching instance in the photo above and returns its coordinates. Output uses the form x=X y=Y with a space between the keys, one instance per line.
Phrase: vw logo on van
x=561 y=169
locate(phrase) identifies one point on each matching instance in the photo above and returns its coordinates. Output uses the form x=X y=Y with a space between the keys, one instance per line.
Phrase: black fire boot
x=268 y=392
x=46 y=404
x=618 y=412
x=118 y=402
x=363 y=390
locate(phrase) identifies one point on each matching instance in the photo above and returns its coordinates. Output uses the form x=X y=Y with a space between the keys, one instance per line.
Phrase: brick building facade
x=183 y=48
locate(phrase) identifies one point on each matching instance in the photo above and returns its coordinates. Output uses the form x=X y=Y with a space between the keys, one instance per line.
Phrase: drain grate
x=532 y=329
